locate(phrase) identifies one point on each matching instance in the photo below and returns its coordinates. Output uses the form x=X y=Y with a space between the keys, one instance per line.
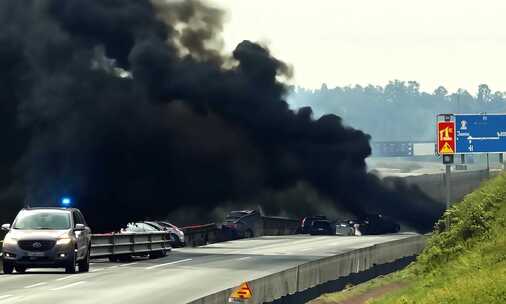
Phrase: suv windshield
x=321 y=224
x=50 y=220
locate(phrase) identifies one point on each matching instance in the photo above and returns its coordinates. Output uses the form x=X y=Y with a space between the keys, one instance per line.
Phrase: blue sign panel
x=480 y=133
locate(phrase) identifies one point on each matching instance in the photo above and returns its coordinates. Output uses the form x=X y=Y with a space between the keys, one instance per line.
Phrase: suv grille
x=36 y=245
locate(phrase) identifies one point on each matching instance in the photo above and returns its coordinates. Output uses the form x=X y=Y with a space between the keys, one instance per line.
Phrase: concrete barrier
x=311 y=274
x=462 y=183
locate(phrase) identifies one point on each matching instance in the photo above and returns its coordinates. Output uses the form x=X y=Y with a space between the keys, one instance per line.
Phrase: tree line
x=399 y=111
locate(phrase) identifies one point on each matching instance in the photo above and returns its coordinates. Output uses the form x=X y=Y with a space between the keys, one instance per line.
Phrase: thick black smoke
x=128 y=107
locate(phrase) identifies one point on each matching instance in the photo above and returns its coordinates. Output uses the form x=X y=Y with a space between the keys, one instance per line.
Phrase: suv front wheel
x=84 y=264
x=20 y=269
x=8 y=267
x=71 y=265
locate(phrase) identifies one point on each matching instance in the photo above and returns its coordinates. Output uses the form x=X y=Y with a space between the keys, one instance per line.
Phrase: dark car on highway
x=374 y=224
x=321 y=227
x=305 y=223
x=241 y=224
x=47 y=237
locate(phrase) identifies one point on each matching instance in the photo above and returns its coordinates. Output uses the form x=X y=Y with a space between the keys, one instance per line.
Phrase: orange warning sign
x=243 y=292
x=446 y=137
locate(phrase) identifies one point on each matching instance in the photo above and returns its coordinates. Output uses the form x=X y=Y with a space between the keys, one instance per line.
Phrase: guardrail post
x=113 y=243
x=132 y=243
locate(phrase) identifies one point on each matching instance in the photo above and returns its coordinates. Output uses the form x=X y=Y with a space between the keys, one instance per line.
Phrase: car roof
x=243 y=211
x=321 y=221
x=50 y=208
x=152 y=223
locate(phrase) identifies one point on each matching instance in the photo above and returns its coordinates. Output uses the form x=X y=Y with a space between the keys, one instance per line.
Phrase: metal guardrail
x=275 y=225
x=127 y=244
x=201 y=234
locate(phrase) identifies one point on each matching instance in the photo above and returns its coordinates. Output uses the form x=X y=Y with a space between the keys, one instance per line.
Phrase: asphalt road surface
x=184 y=275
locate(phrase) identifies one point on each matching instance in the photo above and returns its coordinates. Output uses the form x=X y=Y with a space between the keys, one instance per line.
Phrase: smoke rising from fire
x=130 y=107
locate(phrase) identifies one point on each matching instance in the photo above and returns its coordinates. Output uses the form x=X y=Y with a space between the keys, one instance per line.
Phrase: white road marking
x=35 y=285
x=5 y=297
x=11 y=299
x=166 y=264
x=96 y=269
x=68 y=286
x=67 y=277
x=112 y=267
x=128 y=264
x=244 y=258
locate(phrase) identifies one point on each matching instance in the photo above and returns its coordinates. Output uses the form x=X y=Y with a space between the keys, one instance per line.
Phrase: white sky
x=342 y=42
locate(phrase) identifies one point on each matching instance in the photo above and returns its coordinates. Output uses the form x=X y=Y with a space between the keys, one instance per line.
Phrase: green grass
x=464 y=261
x=467 y=262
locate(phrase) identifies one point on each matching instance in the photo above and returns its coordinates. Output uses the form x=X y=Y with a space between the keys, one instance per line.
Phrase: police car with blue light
x=47 y=238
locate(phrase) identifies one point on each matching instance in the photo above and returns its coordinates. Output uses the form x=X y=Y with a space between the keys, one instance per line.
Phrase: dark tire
x=20 y=269
x=84 y=264
x=397 y=228
x=8 y=267
x=113 y=259
x=124 y=258
x=71 y=266
x=175 y=240
x=248 y=234
x=158 y=254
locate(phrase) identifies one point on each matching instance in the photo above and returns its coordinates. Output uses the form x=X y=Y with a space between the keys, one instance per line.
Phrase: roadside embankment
x=464 y=261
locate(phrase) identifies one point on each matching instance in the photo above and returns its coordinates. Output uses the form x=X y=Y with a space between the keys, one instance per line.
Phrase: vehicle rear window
x=320 y=224
x=35 y=220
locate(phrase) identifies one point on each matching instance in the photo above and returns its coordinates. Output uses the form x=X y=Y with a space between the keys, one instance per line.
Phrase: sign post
x=448 y=177
x=446 y=148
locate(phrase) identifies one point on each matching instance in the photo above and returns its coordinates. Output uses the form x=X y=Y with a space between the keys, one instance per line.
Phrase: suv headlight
x=63 y=241
x=10 y=241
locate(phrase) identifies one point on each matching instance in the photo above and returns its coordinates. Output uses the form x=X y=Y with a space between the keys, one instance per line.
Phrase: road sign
x=480 y=133
x=446 y=137
x=392 y=148
x=241 y=294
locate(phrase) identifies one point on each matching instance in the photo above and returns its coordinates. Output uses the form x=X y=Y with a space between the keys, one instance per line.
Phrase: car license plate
x=35 y=254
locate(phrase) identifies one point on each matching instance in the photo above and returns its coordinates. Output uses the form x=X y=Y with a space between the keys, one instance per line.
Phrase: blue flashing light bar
x=66 y=201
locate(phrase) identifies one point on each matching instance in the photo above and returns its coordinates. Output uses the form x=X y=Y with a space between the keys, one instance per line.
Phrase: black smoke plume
x=129 y=107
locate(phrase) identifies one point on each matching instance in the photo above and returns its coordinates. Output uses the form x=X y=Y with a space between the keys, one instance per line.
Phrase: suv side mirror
x=79 y=227
x=6 y=227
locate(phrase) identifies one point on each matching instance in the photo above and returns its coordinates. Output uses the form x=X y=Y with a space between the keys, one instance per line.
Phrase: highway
x=184 y=275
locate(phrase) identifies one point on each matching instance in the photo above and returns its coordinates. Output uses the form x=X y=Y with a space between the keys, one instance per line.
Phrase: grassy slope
x=463 y=264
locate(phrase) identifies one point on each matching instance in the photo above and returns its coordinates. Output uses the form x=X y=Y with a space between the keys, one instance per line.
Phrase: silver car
x=47 y=237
